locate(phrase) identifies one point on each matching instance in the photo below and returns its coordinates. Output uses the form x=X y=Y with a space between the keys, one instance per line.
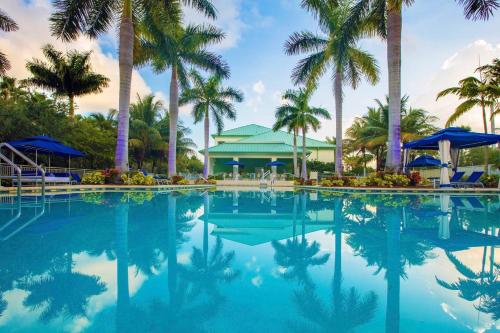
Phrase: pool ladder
x=14 y=168
x=5 y=230
x=263 y=181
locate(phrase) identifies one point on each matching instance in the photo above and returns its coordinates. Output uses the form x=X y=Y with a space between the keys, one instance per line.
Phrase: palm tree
x=208 y=96
x=144 y=135
x=6 y=24
x=475 y=93
x=491 y=74
x=303 y=116
x=370 y=132
x=384 y=18
x=287 y=116
x=92 y=18
x=67 y=74
x=348 y=62
x=175 y=48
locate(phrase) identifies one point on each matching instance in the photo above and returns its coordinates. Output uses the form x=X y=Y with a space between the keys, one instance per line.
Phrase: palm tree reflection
x=62 y=293
x=186 y=309
x=207 y=270
x=483 y=286
x=347 y=309
x=295 y=256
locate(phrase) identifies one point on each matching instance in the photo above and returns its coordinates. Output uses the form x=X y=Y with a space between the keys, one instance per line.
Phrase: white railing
x=14 y=152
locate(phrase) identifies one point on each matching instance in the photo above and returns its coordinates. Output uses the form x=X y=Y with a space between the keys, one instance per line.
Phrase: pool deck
x=391 y=190
x=100 y=188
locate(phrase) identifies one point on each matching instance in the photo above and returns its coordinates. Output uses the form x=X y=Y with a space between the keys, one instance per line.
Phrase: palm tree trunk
x=206 y=205
x=207 y=130
x=485 y=126
x=337 y=272
x=393 y=274
x=71 y=108
x=295 y=155
x=304 y=158
x=172 y=247
x=338 y=123
x=126 y=49
x=174 y=114
x=394 y=23
x=123 y=296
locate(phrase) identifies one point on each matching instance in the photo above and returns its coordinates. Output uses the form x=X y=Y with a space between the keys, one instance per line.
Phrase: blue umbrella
x=233 y=163
x=275 y=163
x=423 y=161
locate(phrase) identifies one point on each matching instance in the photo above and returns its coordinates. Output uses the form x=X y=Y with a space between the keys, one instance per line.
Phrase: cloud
x=457 y=66
x=254 y=100
x=259 y=87
x=228 y=19
x=34 y=32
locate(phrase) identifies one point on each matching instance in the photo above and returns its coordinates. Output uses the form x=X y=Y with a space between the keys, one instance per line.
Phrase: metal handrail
x=33 y=219
x=28 y=160
x=16 y=168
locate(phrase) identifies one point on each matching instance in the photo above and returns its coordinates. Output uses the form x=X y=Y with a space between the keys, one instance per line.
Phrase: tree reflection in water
x=346 y=309
x=295 y=256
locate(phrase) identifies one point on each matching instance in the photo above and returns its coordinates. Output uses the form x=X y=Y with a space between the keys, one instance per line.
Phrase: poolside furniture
x=472 y=181
x=456 y=178
x=449 y=142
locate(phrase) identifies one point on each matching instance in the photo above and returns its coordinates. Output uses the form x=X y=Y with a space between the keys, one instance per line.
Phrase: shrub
x=111 y=176
x=137 y=179
x=326 y=183
x=338 y=182
x=310 y=182
x=93 y=178
x=298 y=181
x=415 y=178
x=490 y=180
x=176 y=179
x=183 y=182
x=396 y=179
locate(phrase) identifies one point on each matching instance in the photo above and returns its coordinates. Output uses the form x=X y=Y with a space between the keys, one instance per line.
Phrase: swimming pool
x=250 y=261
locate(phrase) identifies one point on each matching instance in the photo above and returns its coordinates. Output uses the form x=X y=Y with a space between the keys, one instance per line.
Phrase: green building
x=253 y=146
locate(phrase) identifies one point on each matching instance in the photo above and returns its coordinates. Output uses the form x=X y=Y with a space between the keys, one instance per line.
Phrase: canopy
x=233 y=163
x=45 y=145
x=459 y=138
x=423 y=161
x=275 y=163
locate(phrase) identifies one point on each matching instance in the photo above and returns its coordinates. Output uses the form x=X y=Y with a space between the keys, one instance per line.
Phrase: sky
x=439 y=47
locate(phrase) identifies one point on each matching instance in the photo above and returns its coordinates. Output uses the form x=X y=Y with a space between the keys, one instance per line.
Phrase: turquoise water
x=250 y=261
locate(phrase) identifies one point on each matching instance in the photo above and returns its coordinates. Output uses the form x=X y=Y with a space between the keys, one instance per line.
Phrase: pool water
x=250 y=261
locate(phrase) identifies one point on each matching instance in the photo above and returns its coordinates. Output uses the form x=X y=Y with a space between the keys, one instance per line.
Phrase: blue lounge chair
x=455 y=178
x=473 y=180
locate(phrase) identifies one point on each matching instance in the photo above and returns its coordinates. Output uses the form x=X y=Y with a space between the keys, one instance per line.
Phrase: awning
x=423 y=161
x=276 y=163
x=45 y=145
x=459 y=138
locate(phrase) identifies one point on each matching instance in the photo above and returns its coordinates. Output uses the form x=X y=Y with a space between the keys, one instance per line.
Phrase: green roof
x=249 y=148
x=283 y=137
x=247 y=130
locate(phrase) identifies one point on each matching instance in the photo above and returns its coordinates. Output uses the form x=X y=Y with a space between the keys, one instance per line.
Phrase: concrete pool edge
x=99 y=188
x=401 y=190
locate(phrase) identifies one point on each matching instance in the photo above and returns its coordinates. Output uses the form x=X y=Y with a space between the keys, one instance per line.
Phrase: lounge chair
x=473 y=180
x=455 y=178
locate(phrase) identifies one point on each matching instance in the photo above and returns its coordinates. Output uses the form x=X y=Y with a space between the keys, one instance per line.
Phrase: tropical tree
x=370 y=132
x=349 y=63
x=67 y=74
x=384 y=18
x=302 y=115
x=287 y=115
x=175 y=48
x=209 y=97
x=491 y=74
x=475 y=93
x=7 y=24
x=92 y=18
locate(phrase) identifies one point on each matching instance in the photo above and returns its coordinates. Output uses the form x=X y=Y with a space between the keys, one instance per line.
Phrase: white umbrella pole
x=444 y=156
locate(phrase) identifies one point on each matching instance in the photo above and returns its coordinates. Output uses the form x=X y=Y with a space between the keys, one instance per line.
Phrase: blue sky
x=439 y=48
